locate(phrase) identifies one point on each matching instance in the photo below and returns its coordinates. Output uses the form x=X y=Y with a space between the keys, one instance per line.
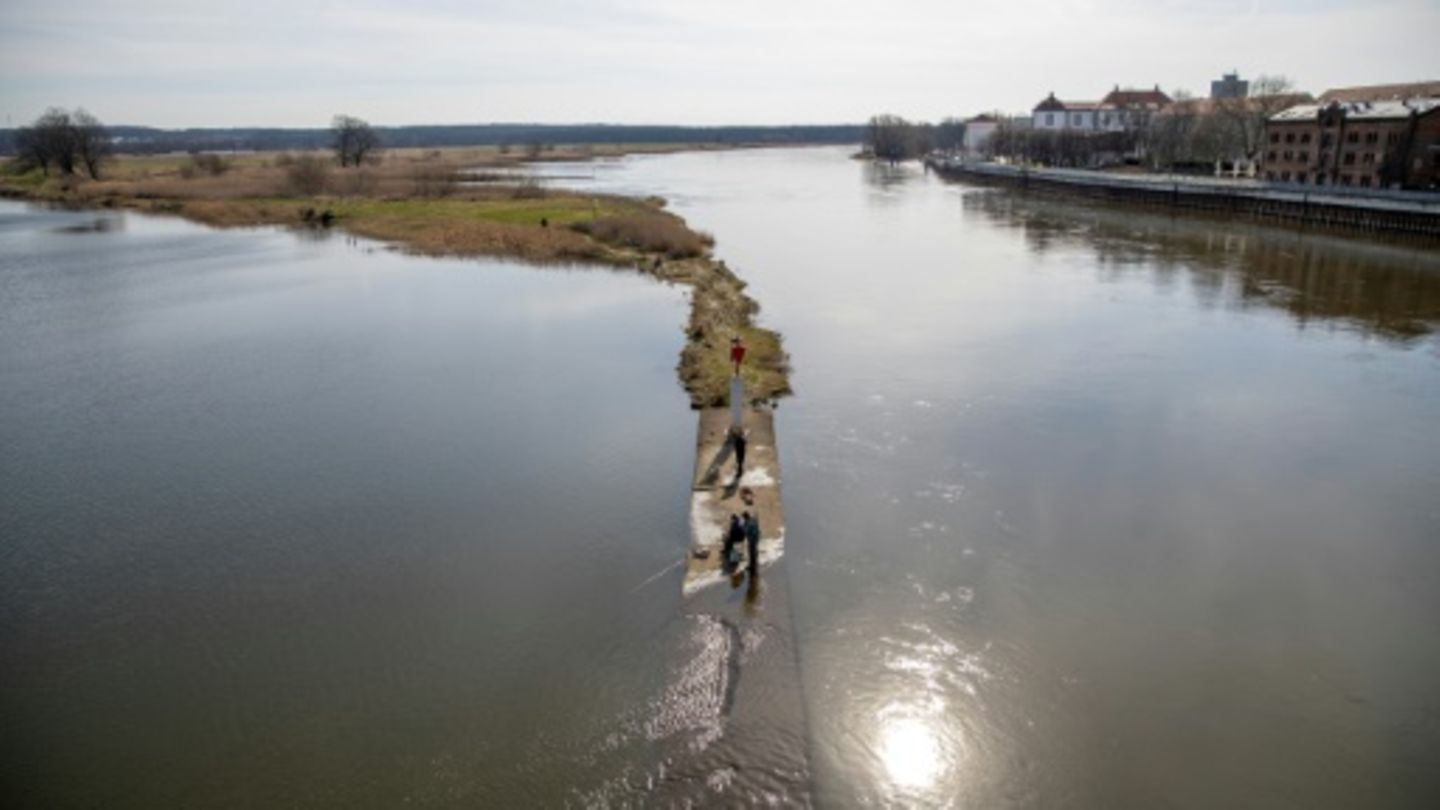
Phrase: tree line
x=892 y=138
x=151 y=140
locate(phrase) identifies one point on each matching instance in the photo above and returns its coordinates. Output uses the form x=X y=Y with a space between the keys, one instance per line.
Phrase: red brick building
x=1366 y=144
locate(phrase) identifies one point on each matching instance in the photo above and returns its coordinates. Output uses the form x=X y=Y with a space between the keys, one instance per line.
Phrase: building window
x=1365 y=180
x=1274 y=137
x=1392 y=139
x=1049 y=119
x=1319 y=178
x=1325 y=139
x=1353 y=137
x=1344 y=179
x=1349 y=159
x=1304 y=137
x=1372 y=137
x=1075 y=120
x=1289 y=137
x=1368 y=157
x=1285 y=177
x=1270 y=156
x=1303 y=157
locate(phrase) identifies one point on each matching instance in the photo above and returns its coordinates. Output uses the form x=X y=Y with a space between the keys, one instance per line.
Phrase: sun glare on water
x=911 y=753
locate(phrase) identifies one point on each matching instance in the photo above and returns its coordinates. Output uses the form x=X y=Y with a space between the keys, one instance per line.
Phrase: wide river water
x=1086 y=507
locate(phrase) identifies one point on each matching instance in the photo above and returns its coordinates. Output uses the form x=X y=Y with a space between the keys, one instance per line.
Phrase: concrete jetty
x=716 y=494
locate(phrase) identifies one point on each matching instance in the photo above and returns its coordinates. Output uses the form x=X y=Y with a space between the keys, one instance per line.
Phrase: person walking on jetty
x=752 y=544
x=730 y=554
x=737 y=353
x=739 y=443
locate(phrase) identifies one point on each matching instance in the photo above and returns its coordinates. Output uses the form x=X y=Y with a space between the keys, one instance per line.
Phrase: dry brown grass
x=648 y=232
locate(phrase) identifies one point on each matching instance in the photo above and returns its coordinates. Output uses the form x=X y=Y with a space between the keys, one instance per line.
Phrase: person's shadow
x=712 y=472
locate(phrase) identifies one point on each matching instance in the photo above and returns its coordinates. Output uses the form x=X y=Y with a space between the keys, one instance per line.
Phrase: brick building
x=1367 y=144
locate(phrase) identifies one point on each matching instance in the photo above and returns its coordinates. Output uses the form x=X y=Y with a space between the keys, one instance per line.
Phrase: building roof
x=982 y=118
x=1136 y=98
x=1206 y=106
x=1382 y=92
x=1049 y=103
x=1363 y=110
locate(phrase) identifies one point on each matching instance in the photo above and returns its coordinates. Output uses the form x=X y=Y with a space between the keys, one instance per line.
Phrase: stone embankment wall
x=1375 y=211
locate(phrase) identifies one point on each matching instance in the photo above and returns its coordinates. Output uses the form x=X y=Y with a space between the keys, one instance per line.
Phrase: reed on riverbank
x=427 y=202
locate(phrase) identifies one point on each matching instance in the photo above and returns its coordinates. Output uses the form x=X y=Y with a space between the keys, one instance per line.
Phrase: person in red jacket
x=737 y=353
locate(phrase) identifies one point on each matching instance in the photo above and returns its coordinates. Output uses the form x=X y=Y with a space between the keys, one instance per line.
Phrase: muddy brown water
x=1086 y=507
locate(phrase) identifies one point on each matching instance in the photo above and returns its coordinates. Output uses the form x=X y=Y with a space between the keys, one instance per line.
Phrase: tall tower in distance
x=1230 y=86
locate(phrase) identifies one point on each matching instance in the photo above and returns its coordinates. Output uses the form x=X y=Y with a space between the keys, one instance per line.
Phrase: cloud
x=743 y=61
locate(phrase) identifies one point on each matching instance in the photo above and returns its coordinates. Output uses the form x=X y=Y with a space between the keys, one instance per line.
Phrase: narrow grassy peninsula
x=467 y=202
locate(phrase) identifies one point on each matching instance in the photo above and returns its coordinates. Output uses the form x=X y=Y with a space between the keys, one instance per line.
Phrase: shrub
x=307 y=175
x=204 y=163
x=210 y=164
x=530 y=189
x=432 y=181
x=649 y=232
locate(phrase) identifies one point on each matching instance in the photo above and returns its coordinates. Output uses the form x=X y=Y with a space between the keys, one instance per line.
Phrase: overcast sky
x=261 y=62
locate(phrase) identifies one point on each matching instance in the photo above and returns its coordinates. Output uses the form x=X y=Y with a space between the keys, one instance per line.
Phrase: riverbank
x=429 y=202
x=1414 y=214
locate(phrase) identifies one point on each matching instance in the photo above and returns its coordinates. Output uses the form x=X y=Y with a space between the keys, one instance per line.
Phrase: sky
x=174 y=63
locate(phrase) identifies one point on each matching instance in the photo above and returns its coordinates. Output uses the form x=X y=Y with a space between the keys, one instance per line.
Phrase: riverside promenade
x=1411 y=213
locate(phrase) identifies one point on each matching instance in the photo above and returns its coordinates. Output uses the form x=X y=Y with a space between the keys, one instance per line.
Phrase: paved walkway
x=717 y=495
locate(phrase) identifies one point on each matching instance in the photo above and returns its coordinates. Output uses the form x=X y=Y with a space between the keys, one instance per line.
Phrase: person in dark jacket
x=733 y=538
x=751 y=528
x=737 y=438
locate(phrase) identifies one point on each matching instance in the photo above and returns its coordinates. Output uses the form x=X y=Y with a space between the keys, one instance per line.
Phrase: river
x=1086 y=507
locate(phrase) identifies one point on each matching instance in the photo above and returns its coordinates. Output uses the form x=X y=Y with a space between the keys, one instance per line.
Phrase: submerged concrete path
x=717 y=495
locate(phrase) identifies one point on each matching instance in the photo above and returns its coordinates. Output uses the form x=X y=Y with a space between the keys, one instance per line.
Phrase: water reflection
x=884 y=179
x=1386 y=290
x=96 y=225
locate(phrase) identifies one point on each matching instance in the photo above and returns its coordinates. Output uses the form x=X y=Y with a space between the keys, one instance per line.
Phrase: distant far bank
x=152 y=140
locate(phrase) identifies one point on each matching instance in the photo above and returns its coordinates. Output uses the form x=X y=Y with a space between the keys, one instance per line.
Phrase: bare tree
x=892 y=138
x=30 y=151
x=56 y=140
x=354 y=140
x=1247 y=116
x=950 y=134
x=91 y=141
x=63 y=141
x=1167 y=135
